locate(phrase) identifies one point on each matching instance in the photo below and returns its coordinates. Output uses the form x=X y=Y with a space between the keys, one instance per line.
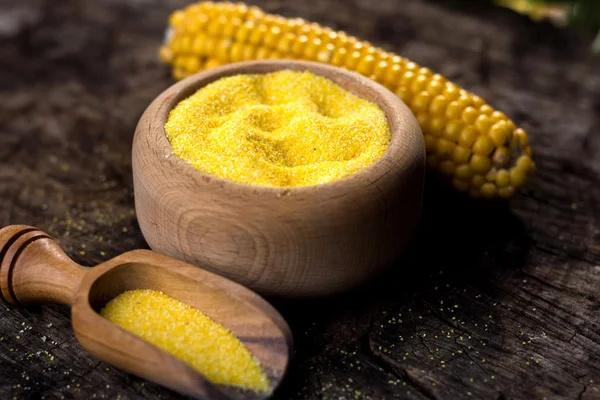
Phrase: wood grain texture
x=299 y=241
x=35 y=270
x=65 y=167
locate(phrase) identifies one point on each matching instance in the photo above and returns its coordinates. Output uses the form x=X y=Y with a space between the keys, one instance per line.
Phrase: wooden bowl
x=291 y=242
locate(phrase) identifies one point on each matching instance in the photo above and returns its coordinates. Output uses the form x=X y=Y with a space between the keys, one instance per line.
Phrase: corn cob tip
x=475 y=148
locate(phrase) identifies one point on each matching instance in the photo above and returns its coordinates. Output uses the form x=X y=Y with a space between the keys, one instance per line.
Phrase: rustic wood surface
x=496 y=302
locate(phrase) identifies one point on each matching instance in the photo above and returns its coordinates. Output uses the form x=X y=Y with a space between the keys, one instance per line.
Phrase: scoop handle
x=34 y=269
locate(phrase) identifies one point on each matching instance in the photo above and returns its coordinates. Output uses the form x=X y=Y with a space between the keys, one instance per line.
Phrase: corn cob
x=475 y=148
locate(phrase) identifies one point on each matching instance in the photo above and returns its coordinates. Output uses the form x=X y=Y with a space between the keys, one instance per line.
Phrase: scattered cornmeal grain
x=280 y=129
x=189 y=335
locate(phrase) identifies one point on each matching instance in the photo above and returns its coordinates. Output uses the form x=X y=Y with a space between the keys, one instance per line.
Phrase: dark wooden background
x=495 y=301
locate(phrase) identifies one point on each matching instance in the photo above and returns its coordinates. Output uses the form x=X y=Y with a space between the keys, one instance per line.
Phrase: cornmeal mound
x=282 y=129
x=188 y=335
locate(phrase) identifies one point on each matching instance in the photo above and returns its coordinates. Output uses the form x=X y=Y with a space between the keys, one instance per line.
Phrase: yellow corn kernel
x=436 y=126
x=435 y=87
x=453 y=129
x=501 y=156
x=406 y=79
x=517 y=176
x=498 y=116
x=392 y=75
x=438 y=105
x=339 y=57
x=486 y=110
x=469 y=115
x=488 y=190
x=467 y=136
x=477 y=180
x=380 y=69
x=365 y=65
x=445 y=148
x=455 y=109
x=483 y=145
x=502 y=178
x=483 y=124
x=461 y=154
x=420 y=102
x=404 y=95
x=299 y=45
x=312 y=49
x=451 y=91
x=480 y=164
x=483 y=138
x=463 y=172
x=325 y=53
x=352 y=60
x=499 y=133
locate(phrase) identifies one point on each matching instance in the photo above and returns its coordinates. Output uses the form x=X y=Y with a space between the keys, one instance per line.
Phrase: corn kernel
x=467 y=136
x=365 y=65
x=392 y=75
x=486 y=110
x=435 y=87
x=502 y=178
x=438 y=105
x=453 y=129
x=339 y=57
x=463 y=172
x=483 y=124
x=404 y=94
x=451 y=91
x=517 y=176
x=479 y=163
x=499 y=133
x=521 y=137
x=436 y=126
x=483 y=145
x=461 y=154
x=501 y=156
x=477 y=180
x=406 y=79
x=455 y=109
x=469 y=115
x=524 y=162
x=312 y=49
x=444 y=148
x=421 y=101
x=488 y=190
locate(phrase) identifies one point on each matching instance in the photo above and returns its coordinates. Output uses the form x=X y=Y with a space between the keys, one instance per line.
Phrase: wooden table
x=494 y=302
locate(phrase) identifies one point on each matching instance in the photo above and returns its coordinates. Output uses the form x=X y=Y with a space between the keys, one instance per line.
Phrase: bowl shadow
x=460 y=243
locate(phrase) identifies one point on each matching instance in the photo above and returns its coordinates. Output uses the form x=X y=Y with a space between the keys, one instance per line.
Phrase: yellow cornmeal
x=282 y=129
x=189 y=335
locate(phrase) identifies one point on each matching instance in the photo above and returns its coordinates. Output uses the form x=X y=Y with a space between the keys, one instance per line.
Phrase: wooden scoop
x=34 y=269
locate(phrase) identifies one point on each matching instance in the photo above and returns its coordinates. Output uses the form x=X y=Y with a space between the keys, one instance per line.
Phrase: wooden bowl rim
x=406 y=148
